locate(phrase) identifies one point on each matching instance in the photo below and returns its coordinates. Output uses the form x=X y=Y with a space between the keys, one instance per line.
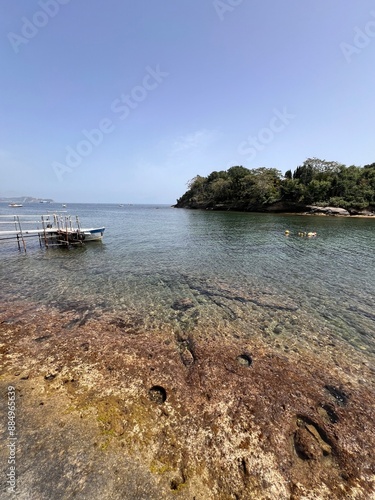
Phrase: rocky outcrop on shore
x=277 y=207
x=325 y=210
x=314 y=209
x=110 y=410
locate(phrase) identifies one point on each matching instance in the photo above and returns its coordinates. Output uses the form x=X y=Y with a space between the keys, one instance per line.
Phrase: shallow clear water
x=237 y=271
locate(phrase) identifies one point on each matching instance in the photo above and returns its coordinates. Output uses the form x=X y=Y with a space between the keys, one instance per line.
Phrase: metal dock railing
x=52 y=229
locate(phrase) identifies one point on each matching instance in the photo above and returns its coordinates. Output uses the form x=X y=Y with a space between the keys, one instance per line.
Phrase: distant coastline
x=24 y=199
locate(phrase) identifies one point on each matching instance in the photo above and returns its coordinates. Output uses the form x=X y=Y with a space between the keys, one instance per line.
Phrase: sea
x=222 y=274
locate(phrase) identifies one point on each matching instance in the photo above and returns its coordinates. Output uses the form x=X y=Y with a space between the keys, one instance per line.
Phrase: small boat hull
x=81 y=236
x=94 y=234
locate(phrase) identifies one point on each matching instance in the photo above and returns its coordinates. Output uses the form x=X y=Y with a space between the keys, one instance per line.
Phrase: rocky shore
x=107 y=409
x=278 y=207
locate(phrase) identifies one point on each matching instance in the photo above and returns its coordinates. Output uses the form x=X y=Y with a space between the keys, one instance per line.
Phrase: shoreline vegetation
x=317 y=187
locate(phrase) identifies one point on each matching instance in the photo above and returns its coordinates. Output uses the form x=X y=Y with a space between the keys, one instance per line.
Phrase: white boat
x=72 y=235
x=93 y=234
x=15 y=205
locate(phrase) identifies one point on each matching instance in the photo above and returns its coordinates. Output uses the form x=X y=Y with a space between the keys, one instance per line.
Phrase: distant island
x=316 y=186
x=24 y=199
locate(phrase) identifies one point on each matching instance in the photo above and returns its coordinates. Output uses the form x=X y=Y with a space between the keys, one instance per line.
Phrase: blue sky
x=124 y=102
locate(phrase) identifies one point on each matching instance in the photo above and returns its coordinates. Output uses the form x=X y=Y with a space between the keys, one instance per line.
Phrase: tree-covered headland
x=316 y=182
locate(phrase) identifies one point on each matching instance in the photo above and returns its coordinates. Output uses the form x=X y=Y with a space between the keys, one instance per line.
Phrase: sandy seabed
x=107 y=408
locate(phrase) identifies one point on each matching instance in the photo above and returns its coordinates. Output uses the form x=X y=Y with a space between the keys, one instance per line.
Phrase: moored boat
x=54 y=229
x=93 y=234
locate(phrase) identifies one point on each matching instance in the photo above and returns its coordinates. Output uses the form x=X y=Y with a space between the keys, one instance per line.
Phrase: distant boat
x=43 y=201
x=15 y=205
x=63 y=205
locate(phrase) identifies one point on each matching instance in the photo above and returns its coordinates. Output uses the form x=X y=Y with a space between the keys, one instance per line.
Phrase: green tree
x=317 y=192
x=292 y=190
x=314 y=182
x=220 y=189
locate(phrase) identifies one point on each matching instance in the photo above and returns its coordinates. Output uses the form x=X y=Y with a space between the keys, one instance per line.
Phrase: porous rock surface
x=106 y=411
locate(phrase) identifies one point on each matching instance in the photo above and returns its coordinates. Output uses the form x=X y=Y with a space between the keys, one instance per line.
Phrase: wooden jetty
x=53 y=229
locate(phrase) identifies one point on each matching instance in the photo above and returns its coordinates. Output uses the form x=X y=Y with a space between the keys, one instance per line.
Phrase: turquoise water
x=238 y=272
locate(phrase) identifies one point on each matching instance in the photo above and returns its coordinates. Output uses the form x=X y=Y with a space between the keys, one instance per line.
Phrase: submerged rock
x=182 y=304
